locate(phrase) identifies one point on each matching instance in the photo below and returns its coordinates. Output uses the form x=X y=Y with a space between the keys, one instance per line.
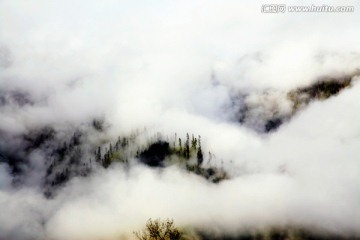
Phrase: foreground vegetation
x=159 y=230
x=166 y=230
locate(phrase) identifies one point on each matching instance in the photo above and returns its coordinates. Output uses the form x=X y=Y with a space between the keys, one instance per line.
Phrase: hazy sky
x=174 y=66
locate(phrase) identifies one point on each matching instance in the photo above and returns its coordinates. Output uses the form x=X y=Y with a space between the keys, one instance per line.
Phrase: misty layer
x=267 y=110
x=86 y=86
x=63 y=158
x=67 y=157
x=57 y=160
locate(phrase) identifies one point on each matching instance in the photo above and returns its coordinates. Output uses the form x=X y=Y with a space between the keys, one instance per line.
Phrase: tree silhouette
x=157 y=230
x=187 y=147
x=200 y=157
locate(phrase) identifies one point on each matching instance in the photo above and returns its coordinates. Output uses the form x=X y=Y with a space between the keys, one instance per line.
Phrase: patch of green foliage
x=187 y=154
x=320 y=90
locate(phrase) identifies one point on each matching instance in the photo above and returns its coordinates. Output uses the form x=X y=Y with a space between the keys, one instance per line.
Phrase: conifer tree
x=187 y=147
x=110 y=149
x=175 y=141
x=200 y=157
x=193 y=142
x=98 y=155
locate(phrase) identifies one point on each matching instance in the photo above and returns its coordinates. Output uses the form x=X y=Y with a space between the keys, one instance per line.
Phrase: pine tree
x=118 y=143
x=98 y=155
x=200 y=157
x=193 y=143
x=110 y=149
x=187 y=147
x=175 y=141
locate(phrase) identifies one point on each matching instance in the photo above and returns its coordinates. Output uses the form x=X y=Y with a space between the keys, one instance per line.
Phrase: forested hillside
x=179 y=120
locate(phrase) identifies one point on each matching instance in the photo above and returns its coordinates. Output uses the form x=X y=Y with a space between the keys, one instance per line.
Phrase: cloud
x=174 y=68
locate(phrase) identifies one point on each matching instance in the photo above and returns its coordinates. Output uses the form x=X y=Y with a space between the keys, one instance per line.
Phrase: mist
x=222 y=70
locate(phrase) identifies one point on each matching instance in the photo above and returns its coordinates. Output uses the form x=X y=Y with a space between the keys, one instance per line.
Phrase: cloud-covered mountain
x=226 y=119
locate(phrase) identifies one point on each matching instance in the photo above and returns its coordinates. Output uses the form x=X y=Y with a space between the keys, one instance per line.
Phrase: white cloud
x=142 y=64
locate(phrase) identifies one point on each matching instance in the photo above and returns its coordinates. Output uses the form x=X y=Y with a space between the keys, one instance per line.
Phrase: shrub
x=159 y=230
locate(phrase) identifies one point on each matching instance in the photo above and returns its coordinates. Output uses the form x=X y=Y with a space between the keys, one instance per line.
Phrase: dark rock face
x=273 y=124
x=39 y=137
x=14 y=160
x=325 y=89
x=155 y=154
x=265 y=111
